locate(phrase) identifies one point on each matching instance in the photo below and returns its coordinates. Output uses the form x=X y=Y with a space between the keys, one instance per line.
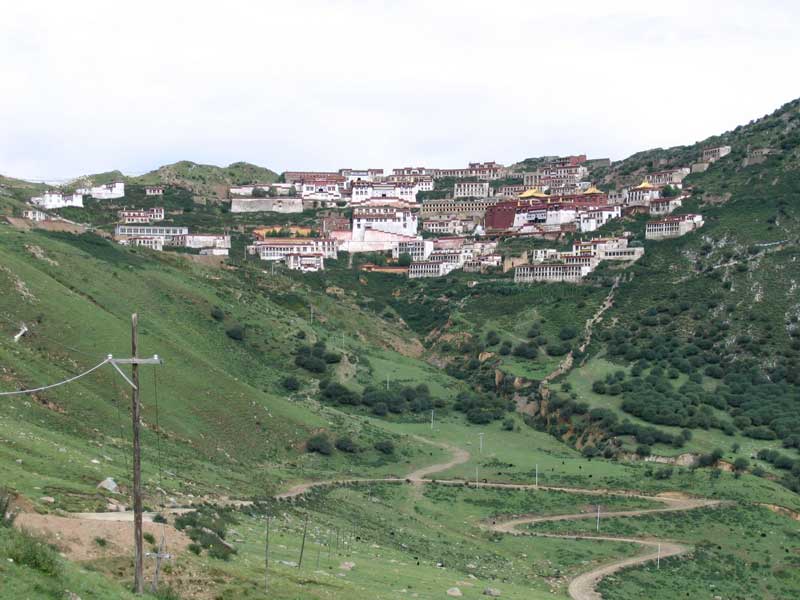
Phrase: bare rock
x=108 y=484
x=493 y=592
x=454 y=592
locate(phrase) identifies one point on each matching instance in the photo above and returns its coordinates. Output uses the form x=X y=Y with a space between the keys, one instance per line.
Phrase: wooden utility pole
x=266 y=560
x=138 y=575
x=303 y=543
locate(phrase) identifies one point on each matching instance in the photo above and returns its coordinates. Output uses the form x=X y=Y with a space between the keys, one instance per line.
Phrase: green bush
x=217 y=313
x=149 y=538
x=27 y=550
x=195 y=548
x=235 y=332
x=320 y=444
x=385 y=446
x=346 y=444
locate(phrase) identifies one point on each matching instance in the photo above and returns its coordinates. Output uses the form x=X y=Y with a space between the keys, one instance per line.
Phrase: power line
x=53 y=385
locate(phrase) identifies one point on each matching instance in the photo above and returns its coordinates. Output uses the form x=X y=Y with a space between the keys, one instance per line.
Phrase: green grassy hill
x=700 y=352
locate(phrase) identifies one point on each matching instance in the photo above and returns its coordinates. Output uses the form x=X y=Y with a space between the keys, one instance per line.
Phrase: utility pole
x=158 y=555
x=658 y=558
x=303 y=543
x=431 y=420
x=266 y=560
x=537 y=475
x=476 y=475
x=480 y=437
x=138 y=575
x=387 y=382
x=598 y=517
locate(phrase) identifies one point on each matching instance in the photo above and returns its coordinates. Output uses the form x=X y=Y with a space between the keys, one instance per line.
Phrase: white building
x=418 y=249
x=548 y=215
x=594 y=218
x=673 y=177
x=664 y=206
x=448 y=226
x=201 y=241
x=279 y=248
x=214 y=251
x=32 y=214
x=141 y=216
x=52 y=199
x=363 y=191
x=471 y=189
x=428 y=268
x=154 y=190
x=715 y=153
x=284 y=205
x=307 y=263
x=352 y=176
x=107 y=191
x=486 y=171
x=320 y=193
x=154 y=243
x=166 y=233
x=551 y=271
x=384 y=219
x=642 y=194
x=672 y=227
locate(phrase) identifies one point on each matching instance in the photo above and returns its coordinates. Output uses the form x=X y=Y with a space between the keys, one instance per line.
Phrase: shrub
x=663 y=473
x=217 y=314
x=643 y=450
x=741 y=464
x=149 y=538
x=508 y=424
x=385 y=446
x=492 y=338
x=195 y=548
x=27 y=550
x=291 y=383
x=380 y=409
x=346 y=444
x=102 y=542
x=567 y=333
x=320 y=444
x=235 y=332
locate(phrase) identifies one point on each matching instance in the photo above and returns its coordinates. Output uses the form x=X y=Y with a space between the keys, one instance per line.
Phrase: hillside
x=273 y=379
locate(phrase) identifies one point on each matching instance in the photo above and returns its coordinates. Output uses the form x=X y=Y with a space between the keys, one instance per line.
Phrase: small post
x=598 y=517
x=303 y=543
x=431 y=419
x=158 y=555
x=537 y=475
x=266 y=559
x=480 y=446
x=476 y=475
x=387 y=382
x=658 y=558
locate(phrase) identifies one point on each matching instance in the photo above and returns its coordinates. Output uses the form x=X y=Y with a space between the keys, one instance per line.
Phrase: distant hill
x=206 y=180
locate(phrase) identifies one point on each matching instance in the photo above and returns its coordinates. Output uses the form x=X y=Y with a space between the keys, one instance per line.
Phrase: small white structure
x=154 y=243
x=201 y=241
x=672 y=227
x=214 y=252
x=450 y=226
x=362 y=191
x=107 y=191
x=715 y=153
x=429 y=268
x=279 y=248
x=664 y=206
x=305 y=262
x=141 y=216
x=165 y=233
x=642 y=194
x=384 y=219
x=471 y=189
x=551 y=271
x=594 y=218
x=284 y=205
x=673 y=177
x=33 y=214
x=418 y=249
x=154 y=190
x=52 y=199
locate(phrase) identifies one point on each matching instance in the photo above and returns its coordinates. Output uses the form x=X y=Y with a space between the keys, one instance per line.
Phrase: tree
x=217 y=313
x=385 y=446
x=346 y=444
x=235 y=332
x=741 y=464
x=404 y=259
x=508 y=424
x=320 y=444
x=291 y=383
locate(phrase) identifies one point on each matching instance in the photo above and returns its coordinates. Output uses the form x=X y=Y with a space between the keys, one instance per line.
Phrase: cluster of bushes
x=482 y=408
x=413 y=399
x=321 y=444
x=316 y=358
x=206 y=528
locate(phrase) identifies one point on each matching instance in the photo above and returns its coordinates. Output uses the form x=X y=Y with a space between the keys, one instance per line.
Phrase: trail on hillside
x=566 y=363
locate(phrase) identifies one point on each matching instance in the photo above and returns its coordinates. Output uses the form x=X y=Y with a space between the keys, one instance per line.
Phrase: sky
x=90 y=86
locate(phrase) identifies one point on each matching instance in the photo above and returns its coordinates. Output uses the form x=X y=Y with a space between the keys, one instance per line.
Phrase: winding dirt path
x=583 y=587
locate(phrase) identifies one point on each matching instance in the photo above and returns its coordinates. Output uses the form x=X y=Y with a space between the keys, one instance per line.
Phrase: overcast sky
x=93 y=86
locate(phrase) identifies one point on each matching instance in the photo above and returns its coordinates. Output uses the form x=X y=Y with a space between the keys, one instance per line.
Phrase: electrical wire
x=53 y=385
